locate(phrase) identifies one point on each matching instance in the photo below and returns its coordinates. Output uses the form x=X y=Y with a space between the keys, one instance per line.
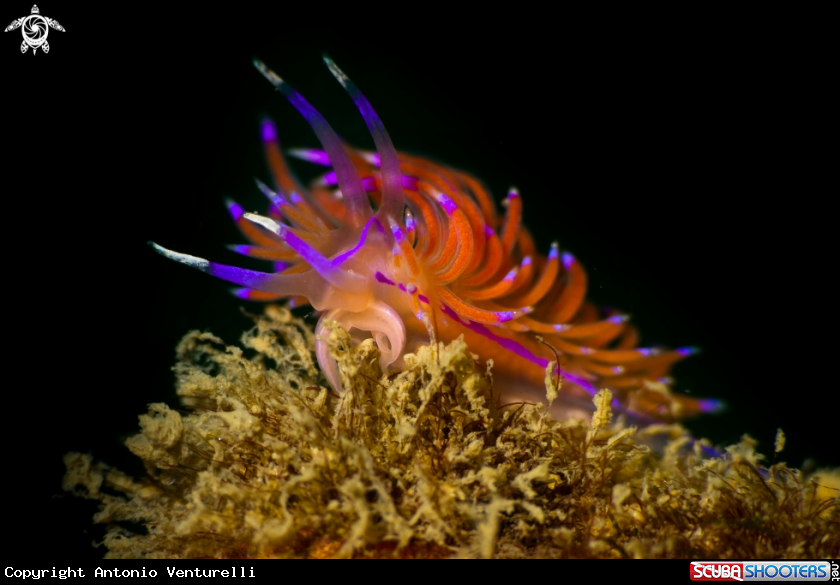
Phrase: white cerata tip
x=191 y=261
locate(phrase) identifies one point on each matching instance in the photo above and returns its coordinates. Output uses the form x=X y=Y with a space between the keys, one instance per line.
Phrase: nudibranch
x=407 y=251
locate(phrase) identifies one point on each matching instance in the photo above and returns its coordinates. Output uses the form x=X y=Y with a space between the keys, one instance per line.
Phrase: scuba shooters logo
x=35 y=29
x=764 y=571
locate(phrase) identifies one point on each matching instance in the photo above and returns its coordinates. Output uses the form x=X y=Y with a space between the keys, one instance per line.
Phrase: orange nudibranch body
x=406 y=250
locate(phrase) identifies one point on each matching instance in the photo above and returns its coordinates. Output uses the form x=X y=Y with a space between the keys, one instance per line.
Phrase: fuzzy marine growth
x=407 y=251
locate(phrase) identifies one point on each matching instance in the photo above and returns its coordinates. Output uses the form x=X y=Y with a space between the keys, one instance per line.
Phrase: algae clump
x=265 y=461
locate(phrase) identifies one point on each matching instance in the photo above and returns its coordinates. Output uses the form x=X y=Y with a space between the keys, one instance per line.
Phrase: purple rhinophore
x=385 y=280
x=269 y=132
x=393 y=197
x=526 y=261
x=351 y=185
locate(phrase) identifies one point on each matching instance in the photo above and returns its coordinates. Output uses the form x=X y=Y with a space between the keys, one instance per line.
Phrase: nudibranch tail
x=404 y=250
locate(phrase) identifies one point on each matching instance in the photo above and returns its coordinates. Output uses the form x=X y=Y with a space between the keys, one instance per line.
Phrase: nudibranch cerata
x=408 y=251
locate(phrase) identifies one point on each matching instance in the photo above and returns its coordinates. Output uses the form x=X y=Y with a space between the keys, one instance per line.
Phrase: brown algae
x=264 y=461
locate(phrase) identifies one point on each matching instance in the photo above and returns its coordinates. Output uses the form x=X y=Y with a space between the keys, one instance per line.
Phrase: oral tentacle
x=380 y=320
x=320 y=263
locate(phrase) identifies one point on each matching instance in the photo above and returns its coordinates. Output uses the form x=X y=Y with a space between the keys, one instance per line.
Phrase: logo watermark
x=35 y=29
x=764 y=571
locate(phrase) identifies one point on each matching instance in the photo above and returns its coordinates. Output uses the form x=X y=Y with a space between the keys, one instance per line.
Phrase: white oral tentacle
x=380 y=320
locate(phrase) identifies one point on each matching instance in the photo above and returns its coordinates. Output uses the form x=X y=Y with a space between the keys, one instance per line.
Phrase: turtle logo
x=35 y=28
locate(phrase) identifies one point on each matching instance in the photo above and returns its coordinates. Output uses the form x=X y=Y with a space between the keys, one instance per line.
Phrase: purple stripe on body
x=342 y=257
x=385 y=280
x=516 y=347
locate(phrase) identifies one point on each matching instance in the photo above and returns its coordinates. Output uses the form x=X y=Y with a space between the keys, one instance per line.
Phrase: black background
x=684 y=160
